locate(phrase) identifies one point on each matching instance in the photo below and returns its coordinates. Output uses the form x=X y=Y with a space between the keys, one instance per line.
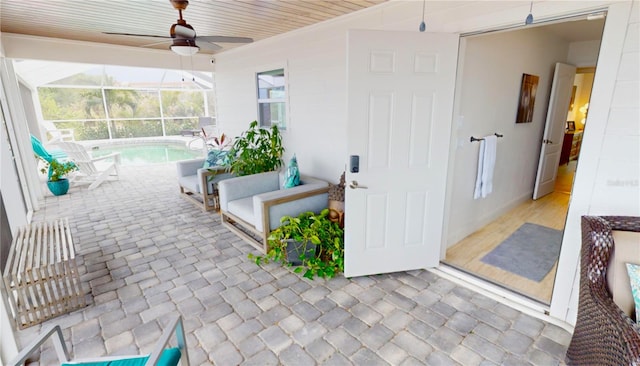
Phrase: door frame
x=564 y=296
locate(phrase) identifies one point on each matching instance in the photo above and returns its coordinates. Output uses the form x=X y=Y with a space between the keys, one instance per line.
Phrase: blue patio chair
x=161 y=355
x=39 y=149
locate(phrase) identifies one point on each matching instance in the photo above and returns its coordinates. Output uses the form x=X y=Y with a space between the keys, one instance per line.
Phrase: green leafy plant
x=56 y=169
x=257 y=150
x=218 y=152
x=308 y=228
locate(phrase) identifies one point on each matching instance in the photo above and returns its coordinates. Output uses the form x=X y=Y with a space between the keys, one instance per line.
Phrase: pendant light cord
x=181 y=68
x=423 y=26
x=529 y=19
x=193 y=78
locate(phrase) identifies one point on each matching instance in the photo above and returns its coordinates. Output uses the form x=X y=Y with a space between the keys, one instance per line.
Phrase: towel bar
x=477 y=139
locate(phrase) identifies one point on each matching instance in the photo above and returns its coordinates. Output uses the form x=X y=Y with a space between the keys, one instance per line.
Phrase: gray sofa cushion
x=246 y=186
x=189 y=167
x=243 y=208
x=625 y=250
x=314 y=203
x=190 y=182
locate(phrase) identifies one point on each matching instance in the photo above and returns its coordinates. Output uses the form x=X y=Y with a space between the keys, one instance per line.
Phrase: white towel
x=486 y=165
x=489 y=163
x=478 y=191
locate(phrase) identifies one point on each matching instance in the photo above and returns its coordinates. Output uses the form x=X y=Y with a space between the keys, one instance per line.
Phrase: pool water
x=148 y=154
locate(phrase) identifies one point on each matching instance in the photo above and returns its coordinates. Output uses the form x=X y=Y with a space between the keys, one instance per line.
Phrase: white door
x=400 y=103
x=554 y=129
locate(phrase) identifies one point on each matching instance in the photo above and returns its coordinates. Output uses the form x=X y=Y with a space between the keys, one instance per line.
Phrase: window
x=271 y=99
x=104 y=102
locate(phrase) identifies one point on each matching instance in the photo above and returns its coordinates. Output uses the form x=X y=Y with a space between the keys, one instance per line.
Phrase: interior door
x=400 y=102
x=554 y=129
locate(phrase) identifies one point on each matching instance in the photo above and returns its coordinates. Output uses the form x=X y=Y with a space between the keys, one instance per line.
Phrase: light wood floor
x=550 y=211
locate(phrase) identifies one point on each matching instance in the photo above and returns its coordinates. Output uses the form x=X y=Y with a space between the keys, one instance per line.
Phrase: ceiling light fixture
x=423 y=25
x=529 y=19
x=184 y=47
x=185 y=50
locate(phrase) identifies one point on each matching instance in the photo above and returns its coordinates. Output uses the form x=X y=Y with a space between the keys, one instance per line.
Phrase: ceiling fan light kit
x=185 y=50
x=184 y=47
x=183 y=36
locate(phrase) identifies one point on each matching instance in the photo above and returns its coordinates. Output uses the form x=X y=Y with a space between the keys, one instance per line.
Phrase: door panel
x=400 y=101
x=554 y=129
x=420 y=152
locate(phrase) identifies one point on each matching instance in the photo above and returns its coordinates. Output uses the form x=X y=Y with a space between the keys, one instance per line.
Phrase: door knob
x=547 y=141
x=354 y=185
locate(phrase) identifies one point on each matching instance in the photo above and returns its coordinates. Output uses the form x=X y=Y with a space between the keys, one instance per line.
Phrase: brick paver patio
x=145 y=254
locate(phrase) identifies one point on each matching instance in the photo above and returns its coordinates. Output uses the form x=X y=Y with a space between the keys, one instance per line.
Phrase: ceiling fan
x=183 y=37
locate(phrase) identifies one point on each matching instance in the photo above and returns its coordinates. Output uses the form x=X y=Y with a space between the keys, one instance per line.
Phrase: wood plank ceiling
x=86 y=20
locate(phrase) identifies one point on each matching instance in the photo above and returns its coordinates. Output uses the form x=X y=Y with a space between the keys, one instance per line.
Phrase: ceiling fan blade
x=156 y=43
x=134 y=35
x=223 y=39
x=184 y=32
x=209 y=46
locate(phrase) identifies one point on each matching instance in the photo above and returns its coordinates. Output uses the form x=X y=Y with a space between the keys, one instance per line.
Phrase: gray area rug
x=531 y=251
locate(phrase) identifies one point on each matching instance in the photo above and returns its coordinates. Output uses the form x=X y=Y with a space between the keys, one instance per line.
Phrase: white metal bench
x=41 y=275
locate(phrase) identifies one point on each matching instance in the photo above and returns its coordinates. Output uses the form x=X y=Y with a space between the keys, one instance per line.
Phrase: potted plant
x=218 y=154
x=257 y=150
x=310 y=241
x=57 y=183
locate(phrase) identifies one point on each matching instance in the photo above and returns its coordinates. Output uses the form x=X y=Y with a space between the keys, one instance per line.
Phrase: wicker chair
x=604 y=334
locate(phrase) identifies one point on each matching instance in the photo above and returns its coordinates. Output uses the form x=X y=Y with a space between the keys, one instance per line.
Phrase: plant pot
x=296 y=248
x=59 y=187
x=336 y=212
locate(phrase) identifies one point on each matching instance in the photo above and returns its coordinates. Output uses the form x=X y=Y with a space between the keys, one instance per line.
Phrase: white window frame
x=284 y=99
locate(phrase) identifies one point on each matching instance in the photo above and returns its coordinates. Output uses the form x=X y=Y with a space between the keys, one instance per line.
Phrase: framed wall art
x=527 y=99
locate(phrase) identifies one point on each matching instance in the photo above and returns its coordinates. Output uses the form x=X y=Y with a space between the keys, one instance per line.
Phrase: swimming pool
x=147 y=153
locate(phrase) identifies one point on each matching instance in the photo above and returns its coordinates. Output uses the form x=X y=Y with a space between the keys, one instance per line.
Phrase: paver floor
x=145 y=254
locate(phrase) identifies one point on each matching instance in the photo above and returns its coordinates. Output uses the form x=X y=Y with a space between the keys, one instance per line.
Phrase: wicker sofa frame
x=604 y=334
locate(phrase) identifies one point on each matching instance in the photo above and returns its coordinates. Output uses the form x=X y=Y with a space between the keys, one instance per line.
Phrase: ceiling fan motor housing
x=179 y=4
x=182 y=30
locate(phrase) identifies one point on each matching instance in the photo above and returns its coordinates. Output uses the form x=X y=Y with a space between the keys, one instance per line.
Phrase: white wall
x=488 y=98
x=316 y=91
x=584 y=54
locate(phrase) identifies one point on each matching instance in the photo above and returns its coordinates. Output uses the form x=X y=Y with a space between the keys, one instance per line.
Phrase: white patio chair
x=208 y=131
x=92 y=171
x=57 y=134
x=161 y=355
